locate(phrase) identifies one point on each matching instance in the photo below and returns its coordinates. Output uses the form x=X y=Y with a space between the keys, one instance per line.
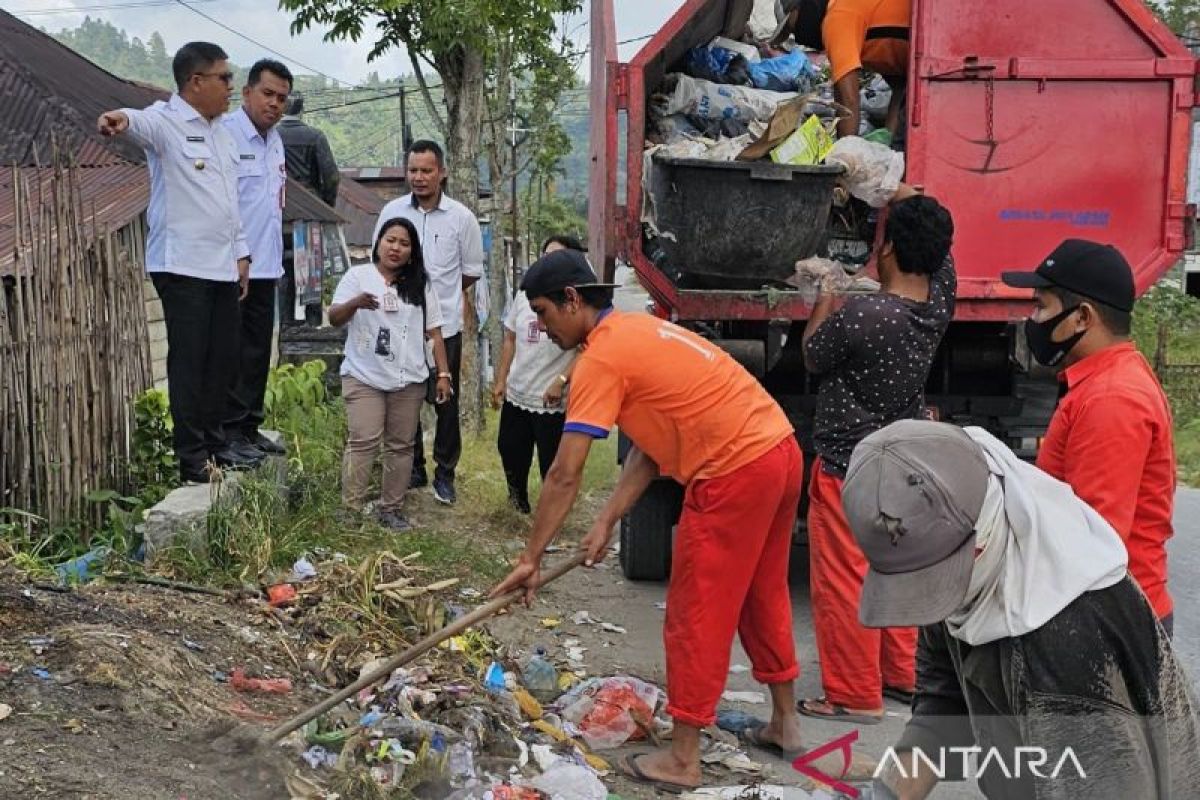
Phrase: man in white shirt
x=196 y=253
x=262 y=181
x=453 y=248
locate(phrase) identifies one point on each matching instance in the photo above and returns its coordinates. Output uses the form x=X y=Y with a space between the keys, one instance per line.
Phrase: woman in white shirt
x=530 y=391
x=391 y=308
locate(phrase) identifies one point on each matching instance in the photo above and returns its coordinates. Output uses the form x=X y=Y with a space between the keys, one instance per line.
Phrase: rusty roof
x=300 y=203
x=112 y=196
x=48 y=89
x=375 y=173
x=360 y=207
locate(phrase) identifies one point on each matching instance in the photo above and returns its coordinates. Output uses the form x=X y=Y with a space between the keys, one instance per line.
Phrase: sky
x=262 y=21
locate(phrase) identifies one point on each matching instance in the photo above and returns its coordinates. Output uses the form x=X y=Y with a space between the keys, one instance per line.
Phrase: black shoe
x=394 y=520
x=247 y=450
x=519 y=503
x=419 y=479
x=443 y=490
x=234 y=459
x=266 y=445
x=197 y=475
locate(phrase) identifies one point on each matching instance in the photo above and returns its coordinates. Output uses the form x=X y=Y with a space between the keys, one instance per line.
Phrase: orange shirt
x=1111 y=440
x=681 y=399
x=855 y=36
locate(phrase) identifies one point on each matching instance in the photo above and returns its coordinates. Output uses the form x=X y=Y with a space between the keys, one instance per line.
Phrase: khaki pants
x=376 y=417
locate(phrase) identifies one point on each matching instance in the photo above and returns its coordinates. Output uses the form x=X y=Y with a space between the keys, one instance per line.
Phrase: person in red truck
x=1111 y=436
x=856 y=35
x=873 y=357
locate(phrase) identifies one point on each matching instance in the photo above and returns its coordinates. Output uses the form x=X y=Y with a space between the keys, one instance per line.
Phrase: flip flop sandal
x=629 y=767
x=839 y=713
x=752 y=736
x=899 y=695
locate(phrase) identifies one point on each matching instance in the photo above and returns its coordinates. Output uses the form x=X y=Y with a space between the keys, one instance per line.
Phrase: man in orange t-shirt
x=856 y=35
x=695 y=415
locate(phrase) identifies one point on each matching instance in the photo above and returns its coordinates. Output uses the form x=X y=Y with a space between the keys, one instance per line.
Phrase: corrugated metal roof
x=374 y=173
x=46 y=89
x=360 y=207
x=300 y=203
x=112 y=197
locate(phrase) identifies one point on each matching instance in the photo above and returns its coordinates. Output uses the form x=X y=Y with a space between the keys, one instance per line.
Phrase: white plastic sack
x=566 y=781
x=715 y=101
x=763 y=21
x=873 y=171
x=746 y=51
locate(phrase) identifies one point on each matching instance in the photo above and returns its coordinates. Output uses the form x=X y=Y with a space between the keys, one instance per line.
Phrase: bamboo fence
x=74 y=351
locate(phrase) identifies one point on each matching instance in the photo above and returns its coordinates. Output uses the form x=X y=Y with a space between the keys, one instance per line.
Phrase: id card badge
x=391 y=301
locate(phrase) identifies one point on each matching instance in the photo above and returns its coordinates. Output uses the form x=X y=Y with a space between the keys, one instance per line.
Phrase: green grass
x=260 y=537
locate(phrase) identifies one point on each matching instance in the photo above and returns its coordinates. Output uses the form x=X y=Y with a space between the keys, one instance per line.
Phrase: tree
x=1181 y=16
x=459 y=40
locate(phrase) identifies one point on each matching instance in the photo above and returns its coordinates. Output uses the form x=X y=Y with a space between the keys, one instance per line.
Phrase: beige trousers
x=374 y=418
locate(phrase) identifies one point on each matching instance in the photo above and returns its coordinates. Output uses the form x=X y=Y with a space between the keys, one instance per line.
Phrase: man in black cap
x=1111 y=436
x=1039 y=653
x=695 y=415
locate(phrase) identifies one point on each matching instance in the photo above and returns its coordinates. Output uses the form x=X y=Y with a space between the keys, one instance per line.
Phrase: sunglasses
x=226 y=77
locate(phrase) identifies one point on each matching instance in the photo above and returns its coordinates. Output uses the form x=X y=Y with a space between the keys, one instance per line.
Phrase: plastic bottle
x=540 y=677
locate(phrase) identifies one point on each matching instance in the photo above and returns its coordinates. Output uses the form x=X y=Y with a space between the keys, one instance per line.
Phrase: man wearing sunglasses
x=196 y=252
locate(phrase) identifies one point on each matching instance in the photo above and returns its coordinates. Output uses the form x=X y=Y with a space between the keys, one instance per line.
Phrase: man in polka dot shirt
x=873 y=357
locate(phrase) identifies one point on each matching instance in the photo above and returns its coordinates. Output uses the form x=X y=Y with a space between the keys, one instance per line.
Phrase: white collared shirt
x=195 y=228
x=262 y=181
x=386 y=347
x=452 y=246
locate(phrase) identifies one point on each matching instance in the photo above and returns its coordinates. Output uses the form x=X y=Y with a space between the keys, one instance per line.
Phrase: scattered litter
x=41 y=672
x=757 y=792
x=493 y=679
x=220 y=677
x=85 y=568
x=570 y=782
x=5 y=711
x=41 y=644
x=661 y=606
x=730 y=757
x=608 y=712
x=583 y=618
x=738 y=669
x=873 y=170
x=540 y=677
x=317 y=757
x=193 y=646
x=281 y=594
x=551 y=623
x=73 y=726
x=754 y=698
x=611 y=628
x=303 y=570
x=239 y=681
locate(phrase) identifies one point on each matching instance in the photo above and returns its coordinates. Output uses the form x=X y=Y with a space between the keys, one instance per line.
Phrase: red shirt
x=1111 y=440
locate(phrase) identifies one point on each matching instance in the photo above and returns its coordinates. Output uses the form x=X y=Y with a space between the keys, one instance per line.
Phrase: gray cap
x=912 y=496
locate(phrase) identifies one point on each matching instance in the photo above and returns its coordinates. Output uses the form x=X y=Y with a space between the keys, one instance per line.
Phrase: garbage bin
x=739 y=224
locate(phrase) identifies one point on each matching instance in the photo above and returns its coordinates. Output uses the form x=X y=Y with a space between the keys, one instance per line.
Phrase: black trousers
x=202 y=350
x=520 y=431
x=447 y=439
x=244 y=412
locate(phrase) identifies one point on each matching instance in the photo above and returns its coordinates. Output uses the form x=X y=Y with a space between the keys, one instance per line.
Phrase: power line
x=37 y=12
x=260 y=44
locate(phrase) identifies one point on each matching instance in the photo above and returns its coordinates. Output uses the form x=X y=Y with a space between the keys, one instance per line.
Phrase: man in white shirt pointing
x=196 y=253
x=262 y=181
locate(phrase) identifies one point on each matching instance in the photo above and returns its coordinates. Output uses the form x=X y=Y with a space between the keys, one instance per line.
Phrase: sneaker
x=419 y=479
x=393 y=520
x=443 y=490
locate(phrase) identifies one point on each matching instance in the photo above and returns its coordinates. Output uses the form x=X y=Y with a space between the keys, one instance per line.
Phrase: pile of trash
x=470 y=720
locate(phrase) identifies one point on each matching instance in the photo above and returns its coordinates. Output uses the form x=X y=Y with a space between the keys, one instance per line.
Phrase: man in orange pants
x=873 y=356
x=694 y=414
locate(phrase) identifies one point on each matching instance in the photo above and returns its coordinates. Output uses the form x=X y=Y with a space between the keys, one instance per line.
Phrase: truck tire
x=646 y=532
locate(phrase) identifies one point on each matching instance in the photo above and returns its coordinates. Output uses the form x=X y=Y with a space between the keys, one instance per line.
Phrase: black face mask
x=1047 y=351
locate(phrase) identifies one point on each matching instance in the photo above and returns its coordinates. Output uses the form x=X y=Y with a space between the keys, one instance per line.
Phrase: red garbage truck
x=1032 y=120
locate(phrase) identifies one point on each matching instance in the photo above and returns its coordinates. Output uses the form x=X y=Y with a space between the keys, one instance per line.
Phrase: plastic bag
x=873 y=171
x=808 y=145
x=787 y=73
x=710 y=63
x=708 y=100
x=608 y=713
x=817 y=276
x=570 y=782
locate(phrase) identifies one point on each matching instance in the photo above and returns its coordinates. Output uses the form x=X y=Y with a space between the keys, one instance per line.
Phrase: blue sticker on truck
x=1077 y=218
